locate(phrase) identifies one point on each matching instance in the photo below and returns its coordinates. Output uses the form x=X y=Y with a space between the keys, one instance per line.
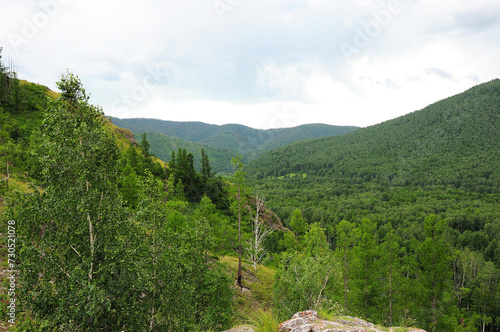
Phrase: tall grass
x=264 y=321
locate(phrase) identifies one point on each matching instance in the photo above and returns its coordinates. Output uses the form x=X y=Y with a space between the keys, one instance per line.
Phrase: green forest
x=222 y=142
x=397 y=223
x=410 y=207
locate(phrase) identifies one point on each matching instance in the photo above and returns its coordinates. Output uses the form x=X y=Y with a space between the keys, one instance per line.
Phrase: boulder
x=309 y=321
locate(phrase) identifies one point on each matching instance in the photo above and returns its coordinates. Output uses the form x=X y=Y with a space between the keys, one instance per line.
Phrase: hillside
x=427 y=183
x=226 y=140
x=453 y=142
x=398 y=223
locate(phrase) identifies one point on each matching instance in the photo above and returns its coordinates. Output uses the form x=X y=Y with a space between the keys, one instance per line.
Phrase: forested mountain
x=237 y=139
x=411 y=208
x=453 y=142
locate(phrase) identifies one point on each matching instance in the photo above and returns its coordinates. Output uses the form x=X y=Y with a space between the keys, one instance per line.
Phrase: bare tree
x=8 y=175
x=255 y=246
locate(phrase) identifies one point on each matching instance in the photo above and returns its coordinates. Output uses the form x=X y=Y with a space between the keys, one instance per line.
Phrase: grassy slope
x=257 y=292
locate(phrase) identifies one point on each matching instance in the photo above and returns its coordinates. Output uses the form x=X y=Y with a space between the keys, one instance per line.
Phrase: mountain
x=443 y=160
x=453 y=142
x=228 y=140
x=423 y=189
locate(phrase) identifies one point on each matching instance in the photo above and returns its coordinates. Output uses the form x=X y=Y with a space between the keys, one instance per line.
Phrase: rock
x=309 y=321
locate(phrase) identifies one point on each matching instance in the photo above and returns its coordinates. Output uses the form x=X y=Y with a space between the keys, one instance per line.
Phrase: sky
x=261 y=63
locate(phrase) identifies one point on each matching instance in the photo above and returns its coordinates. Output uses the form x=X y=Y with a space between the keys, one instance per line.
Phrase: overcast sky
x=262 y=63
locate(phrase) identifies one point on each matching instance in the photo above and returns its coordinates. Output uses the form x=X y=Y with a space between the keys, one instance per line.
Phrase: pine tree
x=391 y=270
x=206 y=169
x=239 y=178
x=346 y=238
x=434 y=258
x=366 y=253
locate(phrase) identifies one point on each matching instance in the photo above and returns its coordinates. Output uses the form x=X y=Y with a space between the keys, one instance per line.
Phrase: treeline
x=223 y=142
x=162 y=145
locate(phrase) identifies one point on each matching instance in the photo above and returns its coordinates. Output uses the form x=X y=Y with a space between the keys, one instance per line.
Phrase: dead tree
x=255 y=246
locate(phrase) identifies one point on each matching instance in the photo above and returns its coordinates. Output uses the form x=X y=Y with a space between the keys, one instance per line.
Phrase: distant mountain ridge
x=223 y=140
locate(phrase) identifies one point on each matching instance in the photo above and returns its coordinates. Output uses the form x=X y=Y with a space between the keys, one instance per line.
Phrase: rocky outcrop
x=309 y=321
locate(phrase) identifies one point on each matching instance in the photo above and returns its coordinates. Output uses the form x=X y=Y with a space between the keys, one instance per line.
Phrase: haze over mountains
x=221 y=142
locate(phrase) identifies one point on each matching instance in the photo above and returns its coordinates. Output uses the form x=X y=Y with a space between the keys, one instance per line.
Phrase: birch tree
x=72 y=258
x=255 y=246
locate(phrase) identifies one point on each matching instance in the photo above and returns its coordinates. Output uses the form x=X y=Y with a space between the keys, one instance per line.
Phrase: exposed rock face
x=309 y=321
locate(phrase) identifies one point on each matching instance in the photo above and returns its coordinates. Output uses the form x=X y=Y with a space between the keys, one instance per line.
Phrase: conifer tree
x=434 y=258
x=239 y=178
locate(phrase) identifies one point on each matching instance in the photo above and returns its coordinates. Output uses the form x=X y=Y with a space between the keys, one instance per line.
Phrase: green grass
x=257 y=293
x=264 y=321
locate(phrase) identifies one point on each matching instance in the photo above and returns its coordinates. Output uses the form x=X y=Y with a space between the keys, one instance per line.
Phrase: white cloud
x=258 y=57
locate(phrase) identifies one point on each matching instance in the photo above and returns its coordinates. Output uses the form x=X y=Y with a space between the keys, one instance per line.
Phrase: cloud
x=257 y=55
x=439 y=72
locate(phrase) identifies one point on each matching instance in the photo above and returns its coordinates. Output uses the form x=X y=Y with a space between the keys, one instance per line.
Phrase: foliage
x=309 y=280
x=191 y=185
x=182 y=284
x=96 y=262
x=68 y=254
x=380 y=191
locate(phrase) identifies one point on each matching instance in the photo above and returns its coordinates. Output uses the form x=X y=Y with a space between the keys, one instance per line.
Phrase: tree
x=366 y=253
x=145 y=146
x=182 y=168
x=206 y=169
x=346 y=238
x=434 y=258
x=309 y=280
x=485 y=292
x=391 y=271
x=255 y=246
x=128 y=184
x=239 y=180
x=72 y=256
x=183 y=288
x=297 y=223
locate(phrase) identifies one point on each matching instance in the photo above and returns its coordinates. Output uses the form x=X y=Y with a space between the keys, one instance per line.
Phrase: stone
x=309 y=321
